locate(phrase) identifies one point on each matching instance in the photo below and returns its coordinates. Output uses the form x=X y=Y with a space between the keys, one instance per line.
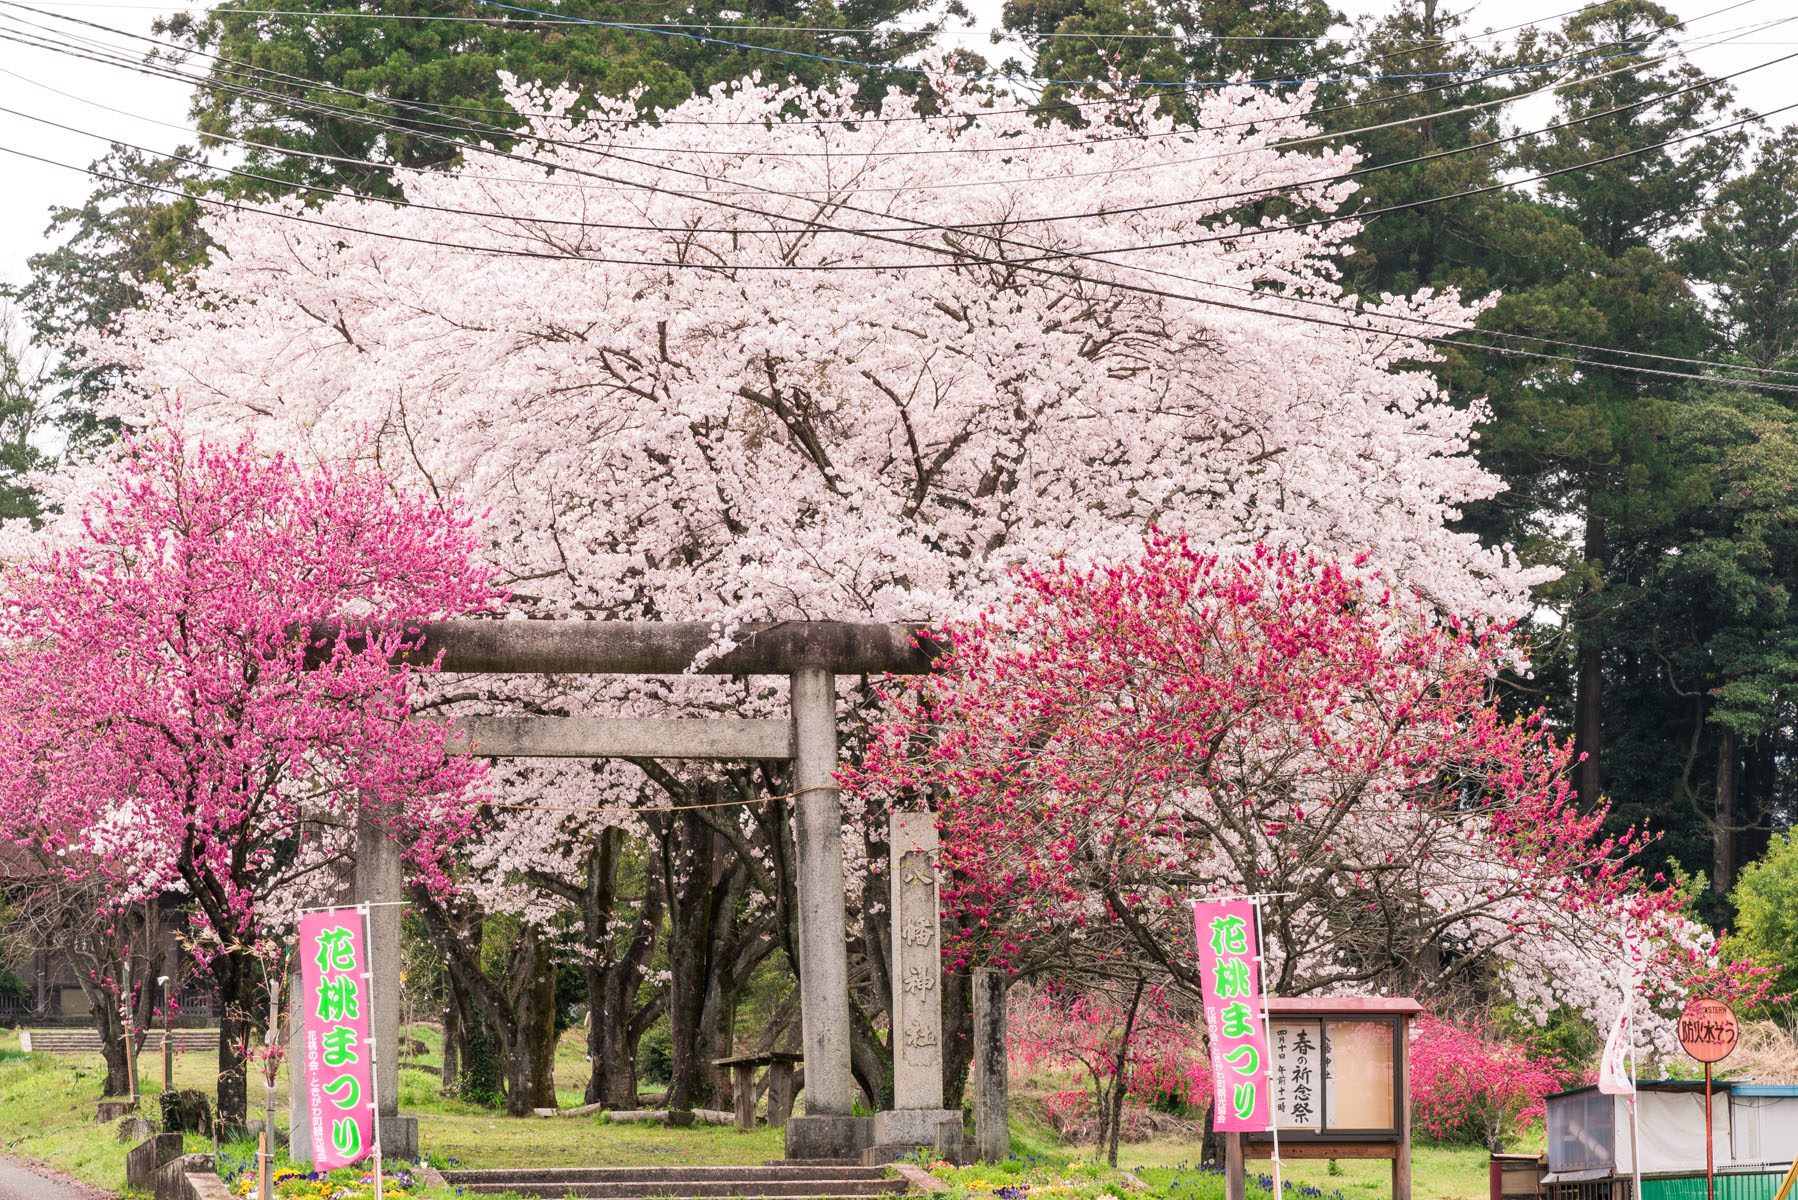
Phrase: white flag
x=1613 y=1069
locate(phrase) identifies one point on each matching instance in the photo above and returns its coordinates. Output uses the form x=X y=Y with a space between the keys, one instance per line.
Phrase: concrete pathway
x=20 y=1182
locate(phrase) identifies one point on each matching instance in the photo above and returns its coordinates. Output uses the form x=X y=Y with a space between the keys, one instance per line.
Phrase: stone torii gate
x=811 y=654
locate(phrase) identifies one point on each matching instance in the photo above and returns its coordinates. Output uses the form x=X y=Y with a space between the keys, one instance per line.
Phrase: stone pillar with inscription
x=918 y=1117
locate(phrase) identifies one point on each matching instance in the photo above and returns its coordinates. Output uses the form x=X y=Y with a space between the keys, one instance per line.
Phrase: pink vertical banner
x=1229 y=973
x=338 y=1056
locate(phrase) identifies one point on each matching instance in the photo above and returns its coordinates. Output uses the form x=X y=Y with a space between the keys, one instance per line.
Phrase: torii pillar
x=829 y=1128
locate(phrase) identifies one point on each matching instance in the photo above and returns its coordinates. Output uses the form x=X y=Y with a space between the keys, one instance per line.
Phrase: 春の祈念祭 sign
x=338 y=1055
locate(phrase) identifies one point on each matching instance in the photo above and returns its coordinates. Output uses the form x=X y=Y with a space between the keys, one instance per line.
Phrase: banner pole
x=1635 y=1122
x=1710 y=1168
x=374 y=1052
x=1267 y=1029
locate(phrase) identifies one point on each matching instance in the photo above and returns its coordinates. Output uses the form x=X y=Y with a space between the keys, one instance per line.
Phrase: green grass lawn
x=47 y=1110
x=1437 y=1173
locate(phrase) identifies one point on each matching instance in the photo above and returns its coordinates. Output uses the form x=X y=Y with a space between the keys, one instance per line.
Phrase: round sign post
x=1708 y=1032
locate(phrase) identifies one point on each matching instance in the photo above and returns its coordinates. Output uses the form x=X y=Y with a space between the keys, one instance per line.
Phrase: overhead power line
x=995 y=77
x=113 y=58
x=985 y=230
x=1034 y=147
x=303 y=81
x=469 y=125
x=1092 y=255
x=1240 y=235
x=220 y=11
x=964 y=258
x=1261 y=193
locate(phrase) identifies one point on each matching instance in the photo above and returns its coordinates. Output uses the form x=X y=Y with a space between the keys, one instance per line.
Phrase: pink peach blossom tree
x=1468 y=1083
x=202 y=661
x=1116 y=742
x=1132 y=1044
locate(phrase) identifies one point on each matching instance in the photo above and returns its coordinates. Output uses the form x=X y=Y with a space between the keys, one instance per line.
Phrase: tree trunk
x=1723 y=832
x=1120 y=1076
x=103 y=1002
x=98 y=972
x=530 y=1042
x=958 y=1034
x=614 y=981
x=733 y=951
x=1588 y=701
x=686 y=854
x=231 y=973
x=521 y=1017
x=452 y=1037
x=1760 y=776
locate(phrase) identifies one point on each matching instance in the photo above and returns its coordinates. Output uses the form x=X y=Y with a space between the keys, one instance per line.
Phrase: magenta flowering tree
x=168 y=725
x=1131 y=1044
x=1116 y=742
x=1467 y=1085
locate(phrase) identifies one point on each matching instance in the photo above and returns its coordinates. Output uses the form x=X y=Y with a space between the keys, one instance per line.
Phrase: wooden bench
x=780 y=1085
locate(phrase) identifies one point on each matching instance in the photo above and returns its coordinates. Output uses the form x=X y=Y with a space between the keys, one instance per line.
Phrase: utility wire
x=227 y=10
x=1262 y=193
x=1718 y=39
x=961 y=259
x=527 y=221
x=471 y=126
x=606 y=152
x=1029 y=264
x=1092 y=255
x=993 y=77
x=107 y=56
x=312 y=84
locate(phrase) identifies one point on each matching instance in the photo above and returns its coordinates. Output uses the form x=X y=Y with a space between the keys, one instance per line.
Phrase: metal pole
x=1635 y=1122
x=268 y=1063
x=1267 y=1031
x=1710 y=1167
x=374 y=1054
x=130 y=1052
x=168 y=1063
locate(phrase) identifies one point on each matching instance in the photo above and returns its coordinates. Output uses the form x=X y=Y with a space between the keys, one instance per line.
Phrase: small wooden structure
x=780 y=1085
x=1342 y=1086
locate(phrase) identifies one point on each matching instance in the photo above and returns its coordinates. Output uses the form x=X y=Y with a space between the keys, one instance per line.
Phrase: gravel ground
x=20 y=1182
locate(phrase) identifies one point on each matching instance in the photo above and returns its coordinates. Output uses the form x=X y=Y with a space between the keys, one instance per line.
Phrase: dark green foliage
x=450 y=53
x=1747 y=249
x=655 y=1054
x=480 y=1082
x=1201 y=41
x=186 y=1112
x=22 y=403
x=128 y=227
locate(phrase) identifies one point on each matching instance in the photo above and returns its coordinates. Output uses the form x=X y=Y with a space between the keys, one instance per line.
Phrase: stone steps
x=831 y=1181
x=87 y=1041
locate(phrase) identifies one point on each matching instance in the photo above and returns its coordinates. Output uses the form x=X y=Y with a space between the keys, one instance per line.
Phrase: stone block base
x=908 y=1129
x=399 y=1138
x=828 y=1137
x=143 y=1159
x=108 y=1111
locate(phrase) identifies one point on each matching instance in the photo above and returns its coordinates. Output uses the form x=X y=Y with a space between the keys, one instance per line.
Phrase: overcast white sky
x=152 y=112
